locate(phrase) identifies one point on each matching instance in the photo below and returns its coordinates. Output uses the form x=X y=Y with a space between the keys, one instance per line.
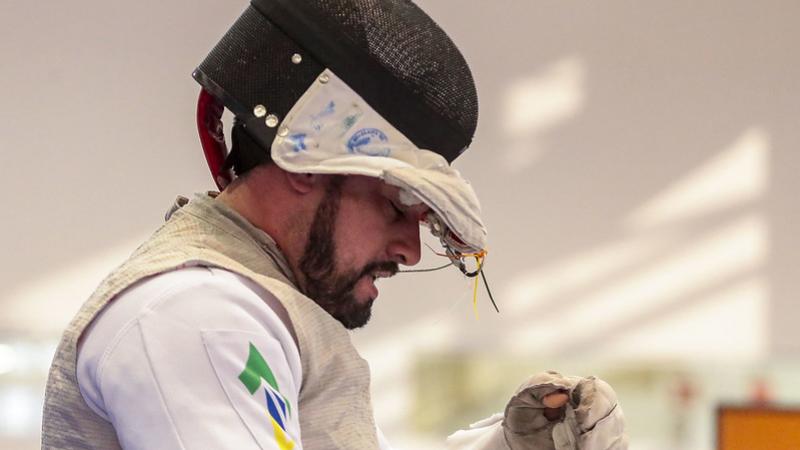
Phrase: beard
x=333 y=290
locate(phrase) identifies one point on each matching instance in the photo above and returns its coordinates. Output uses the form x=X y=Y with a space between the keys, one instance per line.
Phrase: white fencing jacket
x=129 y=374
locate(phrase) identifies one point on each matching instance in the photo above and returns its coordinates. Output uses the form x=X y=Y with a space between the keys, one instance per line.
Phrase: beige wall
x=637 y=164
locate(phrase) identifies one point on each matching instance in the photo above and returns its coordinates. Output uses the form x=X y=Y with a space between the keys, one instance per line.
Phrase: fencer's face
x=361 y=232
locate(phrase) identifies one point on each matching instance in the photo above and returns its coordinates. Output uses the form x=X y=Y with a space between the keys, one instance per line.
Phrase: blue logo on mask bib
x=369 y=142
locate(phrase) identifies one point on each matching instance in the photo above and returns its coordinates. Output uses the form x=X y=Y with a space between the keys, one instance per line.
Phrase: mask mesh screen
x=414 y=48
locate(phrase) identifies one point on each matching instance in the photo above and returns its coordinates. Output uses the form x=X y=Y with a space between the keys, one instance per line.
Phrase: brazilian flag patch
x=257 y=374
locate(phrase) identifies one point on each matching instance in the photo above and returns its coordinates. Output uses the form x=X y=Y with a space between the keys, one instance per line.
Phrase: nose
x=404 y=248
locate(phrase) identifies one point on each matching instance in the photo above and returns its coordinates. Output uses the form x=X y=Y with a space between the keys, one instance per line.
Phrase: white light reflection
x=20 y=409
x=9 y=360
x=728 y=325
x=535 y=104
x=546 y=98
x=737 y=175
x=543 y=285
x=736 y=248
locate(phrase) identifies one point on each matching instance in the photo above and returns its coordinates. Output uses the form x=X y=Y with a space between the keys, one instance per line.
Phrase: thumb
x=554 y=405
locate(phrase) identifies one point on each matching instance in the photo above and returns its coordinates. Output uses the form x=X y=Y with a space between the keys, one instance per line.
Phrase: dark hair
x=245 y=153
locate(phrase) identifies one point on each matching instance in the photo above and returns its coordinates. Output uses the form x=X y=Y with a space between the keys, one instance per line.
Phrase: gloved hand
x=555 y=412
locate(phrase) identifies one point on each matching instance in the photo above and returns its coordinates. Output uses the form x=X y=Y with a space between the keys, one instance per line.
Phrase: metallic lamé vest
x=334 y=404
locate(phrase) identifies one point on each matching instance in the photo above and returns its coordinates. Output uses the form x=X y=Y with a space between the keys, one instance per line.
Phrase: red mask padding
x=212 y=137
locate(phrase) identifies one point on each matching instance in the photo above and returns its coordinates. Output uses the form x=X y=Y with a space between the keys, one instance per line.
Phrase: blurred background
x=636 y=161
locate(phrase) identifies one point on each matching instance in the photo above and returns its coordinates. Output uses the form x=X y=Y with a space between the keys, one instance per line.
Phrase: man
x=228 y=327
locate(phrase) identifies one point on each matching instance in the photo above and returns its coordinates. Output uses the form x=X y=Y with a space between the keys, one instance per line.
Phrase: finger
x=555 y=400
x=554 y=405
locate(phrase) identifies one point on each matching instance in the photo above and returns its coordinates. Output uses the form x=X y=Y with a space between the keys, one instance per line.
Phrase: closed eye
x=398 y=213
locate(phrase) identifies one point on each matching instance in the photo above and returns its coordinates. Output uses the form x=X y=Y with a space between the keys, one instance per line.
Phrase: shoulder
x=186 y=307
x=197 y=296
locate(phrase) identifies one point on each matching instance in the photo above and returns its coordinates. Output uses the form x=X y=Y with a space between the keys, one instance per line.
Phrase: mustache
x=346 y=285
x=379 y=266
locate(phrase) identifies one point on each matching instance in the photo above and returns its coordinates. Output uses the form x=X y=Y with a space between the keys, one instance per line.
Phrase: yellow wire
x=478 y=260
